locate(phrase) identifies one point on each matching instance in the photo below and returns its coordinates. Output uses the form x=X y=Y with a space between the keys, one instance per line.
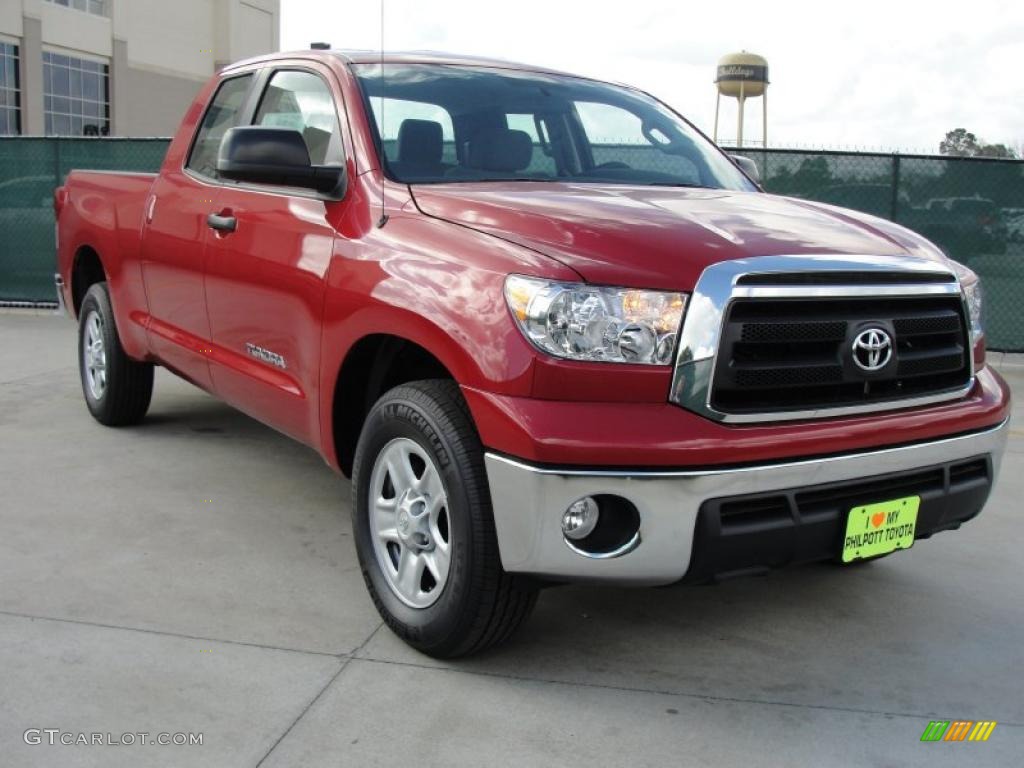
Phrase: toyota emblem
x=872 y=350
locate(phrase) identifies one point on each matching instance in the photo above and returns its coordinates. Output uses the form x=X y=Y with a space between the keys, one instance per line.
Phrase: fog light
x=580 y=519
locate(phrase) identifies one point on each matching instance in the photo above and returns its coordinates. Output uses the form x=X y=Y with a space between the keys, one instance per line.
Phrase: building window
x=10 y=105
x=97 y=7
x=76 y=96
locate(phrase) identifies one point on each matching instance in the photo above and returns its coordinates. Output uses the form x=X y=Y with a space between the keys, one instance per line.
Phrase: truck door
x=266 y=270
x=176 y=236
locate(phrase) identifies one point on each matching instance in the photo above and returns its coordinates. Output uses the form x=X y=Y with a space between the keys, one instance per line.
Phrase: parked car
x=28 y=194
x=876 y=199
x=966 y=227
x=538 y=360
x=1013 y=220
x=26 y=230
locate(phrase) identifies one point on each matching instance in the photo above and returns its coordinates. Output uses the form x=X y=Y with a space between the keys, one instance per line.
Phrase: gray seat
x=420 y=147
x=504 y=150
x=497 y=153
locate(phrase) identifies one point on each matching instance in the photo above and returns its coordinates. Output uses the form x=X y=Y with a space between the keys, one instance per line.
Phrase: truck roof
x=354 y=56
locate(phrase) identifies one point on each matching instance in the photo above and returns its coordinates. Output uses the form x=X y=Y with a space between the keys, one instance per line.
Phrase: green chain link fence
x=973 y=208
x=30 y=169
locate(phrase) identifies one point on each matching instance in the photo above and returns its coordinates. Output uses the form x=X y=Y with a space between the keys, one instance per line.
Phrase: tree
x=959 y=143
x=996 y=150
x=962 y=143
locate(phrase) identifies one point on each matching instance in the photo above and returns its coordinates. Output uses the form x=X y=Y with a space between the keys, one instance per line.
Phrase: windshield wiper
x=452 y=180
x=565 y=180
x=676 y=184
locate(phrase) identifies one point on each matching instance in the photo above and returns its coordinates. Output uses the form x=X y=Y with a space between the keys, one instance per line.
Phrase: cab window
x=303 y=102
x=222 y=114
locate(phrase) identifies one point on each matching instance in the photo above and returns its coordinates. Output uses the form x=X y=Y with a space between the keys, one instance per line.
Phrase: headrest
x=419 y=141
x=501 y=150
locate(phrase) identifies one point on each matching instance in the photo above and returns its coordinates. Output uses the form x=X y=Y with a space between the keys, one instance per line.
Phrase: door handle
x=221 y=223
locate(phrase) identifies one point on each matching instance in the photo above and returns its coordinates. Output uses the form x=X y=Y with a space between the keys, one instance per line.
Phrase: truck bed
x=106 y=210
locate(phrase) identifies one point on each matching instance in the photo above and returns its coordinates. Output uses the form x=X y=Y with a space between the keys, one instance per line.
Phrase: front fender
x=437 y=285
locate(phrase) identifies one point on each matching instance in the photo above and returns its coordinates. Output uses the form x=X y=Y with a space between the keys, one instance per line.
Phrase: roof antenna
x=383 y=214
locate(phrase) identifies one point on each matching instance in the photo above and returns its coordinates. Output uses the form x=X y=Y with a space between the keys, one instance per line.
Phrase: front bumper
x=529 y=501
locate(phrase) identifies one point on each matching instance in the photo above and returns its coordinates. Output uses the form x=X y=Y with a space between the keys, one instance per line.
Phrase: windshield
x=448 y=124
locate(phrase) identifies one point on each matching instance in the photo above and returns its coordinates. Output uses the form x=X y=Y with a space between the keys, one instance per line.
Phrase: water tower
x=742 y=76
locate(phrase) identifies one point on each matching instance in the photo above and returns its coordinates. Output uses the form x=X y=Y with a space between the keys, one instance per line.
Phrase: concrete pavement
x=196 y=574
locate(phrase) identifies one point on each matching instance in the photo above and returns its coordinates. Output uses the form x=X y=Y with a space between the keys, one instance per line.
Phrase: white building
x=119 y=67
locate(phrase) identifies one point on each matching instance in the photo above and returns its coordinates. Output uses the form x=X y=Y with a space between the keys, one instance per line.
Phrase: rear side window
x=303 y=102
x=221 y=115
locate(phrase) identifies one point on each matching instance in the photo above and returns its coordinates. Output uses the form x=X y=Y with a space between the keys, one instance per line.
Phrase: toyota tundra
x=551 y=332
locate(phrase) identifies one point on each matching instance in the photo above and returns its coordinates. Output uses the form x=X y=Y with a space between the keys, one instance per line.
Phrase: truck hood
x=661 y=237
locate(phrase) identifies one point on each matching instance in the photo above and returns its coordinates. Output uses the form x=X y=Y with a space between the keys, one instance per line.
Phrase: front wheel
x=423 y=525
x=117 y=389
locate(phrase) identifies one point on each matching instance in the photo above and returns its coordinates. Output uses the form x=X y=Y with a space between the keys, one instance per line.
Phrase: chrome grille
x=782 y=354
x=770 y=338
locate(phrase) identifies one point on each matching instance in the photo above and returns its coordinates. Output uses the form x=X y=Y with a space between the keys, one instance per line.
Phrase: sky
x=868 y=75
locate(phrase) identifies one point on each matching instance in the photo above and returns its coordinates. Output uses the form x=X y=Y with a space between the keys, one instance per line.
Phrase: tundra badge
x=265 y=355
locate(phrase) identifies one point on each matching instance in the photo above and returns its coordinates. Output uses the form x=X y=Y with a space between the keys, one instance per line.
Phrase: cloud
x=880 y=74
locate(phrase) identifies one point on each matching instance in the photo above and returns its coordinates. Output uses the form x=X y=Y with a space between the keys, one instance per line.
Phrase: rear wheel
x=117 y=389
x=424 y=529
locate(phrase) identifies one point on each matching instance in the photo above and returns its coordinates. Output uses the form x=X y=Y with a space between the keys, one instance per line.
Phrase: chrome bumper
x=529 y=501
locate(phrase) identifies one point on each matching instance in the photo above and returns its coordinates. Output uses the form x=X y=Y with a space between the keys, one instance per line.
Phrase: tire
x=425 y=427
x=117 y=389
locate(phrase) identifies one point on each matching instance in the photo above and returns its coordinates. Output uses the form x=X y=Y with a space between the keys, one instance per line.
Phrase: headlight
x=970 y=284
x=583 y=322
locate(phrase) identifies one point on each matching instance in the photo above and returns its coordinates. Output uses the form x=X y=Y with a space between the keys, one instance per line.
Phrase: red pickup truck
x=551 y=332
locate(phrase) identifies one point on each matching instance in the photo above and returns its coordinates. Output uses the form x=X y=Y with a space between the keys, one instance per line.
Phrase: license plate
x=876 y=529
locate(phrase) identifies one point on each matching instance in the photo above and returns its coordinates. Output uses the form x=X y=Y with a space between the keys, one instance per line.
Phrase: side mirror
x=748 y=166
x=277 y=156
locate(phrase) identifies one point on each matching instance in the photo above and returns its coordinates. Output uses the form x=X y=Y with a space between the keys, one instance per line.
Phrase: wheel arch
x=87 y=269
x=374 y=364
